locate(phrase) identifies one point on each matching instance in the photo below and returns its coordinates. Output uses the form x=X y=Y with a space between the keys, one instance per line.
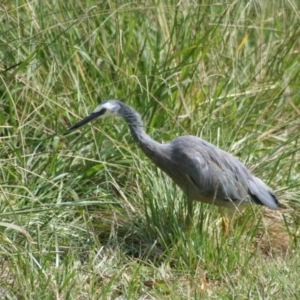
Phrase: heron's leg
x=190 y=215
x=227 y=216
x=225 y=222
x=187 y=226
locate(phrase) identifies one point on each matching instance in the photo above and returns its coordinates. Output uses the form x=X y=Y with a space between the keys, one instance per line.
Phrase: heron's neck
x=149 y=146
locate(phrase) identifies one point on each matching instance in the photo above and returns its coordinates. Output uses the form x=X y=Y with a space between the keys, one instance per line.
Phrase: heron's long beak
x=91 y=117
x=86 y=120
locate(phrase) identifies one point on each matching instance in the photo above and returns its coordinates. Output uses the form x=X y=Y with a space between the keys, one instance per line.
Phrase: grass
x=86 y=216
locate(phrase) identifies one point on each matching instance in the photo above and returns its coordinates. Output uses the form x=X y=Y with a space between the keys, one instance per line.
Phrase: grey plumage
x=204 y=172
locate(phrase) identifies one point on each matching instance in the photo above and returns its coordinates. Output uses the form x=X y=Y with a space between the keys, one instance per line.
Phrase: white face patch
x=110 y=108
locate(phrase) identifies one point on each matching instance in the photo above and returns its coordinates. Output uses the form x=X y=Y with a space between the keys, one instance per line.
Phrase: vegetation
x=87 y=216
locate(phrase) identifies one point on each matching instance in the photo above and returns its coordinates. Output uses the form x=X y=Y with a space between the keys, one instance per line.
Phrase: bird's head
x=105 y=109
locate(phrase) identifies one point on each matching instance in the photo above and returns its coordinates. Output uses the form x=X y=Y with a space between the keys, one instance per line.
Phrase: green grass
x=87 y=216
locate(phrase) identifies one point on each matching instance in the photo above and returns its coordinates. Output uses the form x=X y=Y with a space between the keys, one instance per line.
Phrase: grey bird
x=204 y=172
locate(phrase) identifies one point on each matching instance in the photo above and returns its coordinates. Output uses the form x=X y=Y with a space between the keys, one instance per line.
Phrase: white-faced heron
x=204 y=172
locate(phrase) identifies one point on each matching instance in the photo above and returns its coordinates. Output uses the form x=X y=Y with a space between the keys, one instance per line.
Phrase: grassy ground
x=86 y=216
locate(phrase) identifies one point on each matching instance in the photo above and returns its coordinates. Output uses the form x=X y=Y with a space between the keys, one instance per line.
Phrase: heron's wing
x=218 y=174
x=214 y=177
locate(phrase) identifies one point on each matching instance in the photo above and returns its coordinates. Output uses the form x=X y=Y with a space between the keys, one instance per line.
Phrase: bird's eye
x=102 y=111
